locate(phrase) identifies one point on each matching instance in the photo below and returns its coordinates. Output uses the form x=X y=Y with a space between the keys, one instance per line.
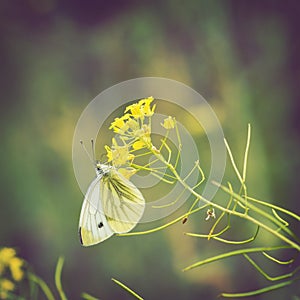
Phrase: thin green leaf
x=163 y=226
x=261 y=271
x=42 y=284
x=171 y=203
x=58 y=284
x=225 y=240
x=285 y=223
x=246 y=153
x=276 y=208
x=259 y=291
x=221 y=216
x=88 y=297
x=207 y=236
x=233 y=162
x=130 y=291
x=281 y=262
x=233 y=253
x=243 y=185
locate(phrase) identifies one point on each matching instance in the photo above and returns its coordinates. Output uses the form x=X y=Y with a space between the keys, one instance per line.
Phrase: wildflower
x=145 y=107
x=6 y=254
x=169 y=123
x=135 y=110
x=108 y=153
x=210 y=214
x=119 y=155
x=119 y=125
x=5 y=287
x=138 y=145
x=141 y=109
x=15 y=266
x=135 y=132
x=8 y=260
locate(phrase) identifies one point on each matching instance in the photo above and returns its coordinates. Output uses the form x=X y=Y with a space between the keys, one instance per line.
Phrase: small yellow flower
x=6 y=254
x=138 y=145
x=5 y=287
x=15 y=266
x=146 y=108
x=108 y=153
x=119 y=125
x=118 y=155
x=169 y=123
x=135 y=110
x=141 y=109
x=9 y=260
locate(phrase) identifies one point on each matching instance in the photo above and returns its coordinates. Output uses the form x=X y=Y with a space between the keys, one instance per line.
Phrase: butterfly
x=112 y=204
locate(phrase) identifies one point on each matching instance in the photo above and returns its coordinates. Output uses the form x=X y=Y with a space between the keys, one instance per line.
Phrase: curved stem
x=233 y=253
x=42 y=285
x=126 y=288
x=163 y=226
x=287 y=212
x=259 y=291
x=58 y=284
x=268 y=277
x=252 y=238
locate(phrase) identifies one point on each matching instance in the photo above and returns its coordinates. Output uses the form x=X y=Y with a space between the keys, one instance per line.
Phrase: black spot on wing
x=100 y=225
x=80 y=237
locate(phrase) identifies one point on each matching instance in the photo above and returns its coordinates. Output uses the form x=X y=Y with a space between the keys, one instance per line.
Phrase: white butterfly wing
x=93 y=225
x=123 y=203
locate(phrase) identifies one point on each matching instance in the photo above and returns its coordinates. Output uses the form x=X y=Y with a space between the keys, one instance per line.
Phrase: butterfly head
x=98 y=165
x=101 y=169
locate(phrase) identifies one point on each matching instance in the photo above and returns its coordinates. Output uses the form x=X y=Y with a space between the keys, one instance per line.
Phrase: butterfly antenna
x=93 y=149
x=87 y=153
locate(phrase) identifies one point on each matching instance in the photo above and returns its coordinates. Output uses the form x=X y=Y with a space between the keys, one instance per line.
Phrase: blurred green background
x=56 y=56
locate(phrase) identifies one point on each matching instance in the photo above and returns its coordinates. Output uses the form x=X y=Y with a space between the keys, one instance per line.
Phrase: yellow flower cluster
x=134 y=131
x=9 y=261
x=169 y=123
x=119 y=155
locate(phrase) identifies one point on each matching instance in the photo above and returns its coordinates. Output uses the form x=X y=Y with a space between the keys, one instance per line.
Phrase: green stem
x=42 y=284
x=163 y=226
x=127 y=289
x=224 y=240
x=268 y=277
x=280 y=262
x=275 y=207
x=260 y=291
x=88 y=296
x=58 y=284
x=233 y=253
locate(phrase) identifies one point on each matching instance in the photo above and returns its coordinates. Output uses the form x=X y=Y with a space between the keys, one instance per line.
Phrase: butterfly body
x=111 y=205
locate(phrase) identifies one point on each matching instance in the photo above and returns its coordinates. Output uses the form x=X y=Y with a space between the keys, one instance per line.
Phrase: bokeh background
x=56 y=56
